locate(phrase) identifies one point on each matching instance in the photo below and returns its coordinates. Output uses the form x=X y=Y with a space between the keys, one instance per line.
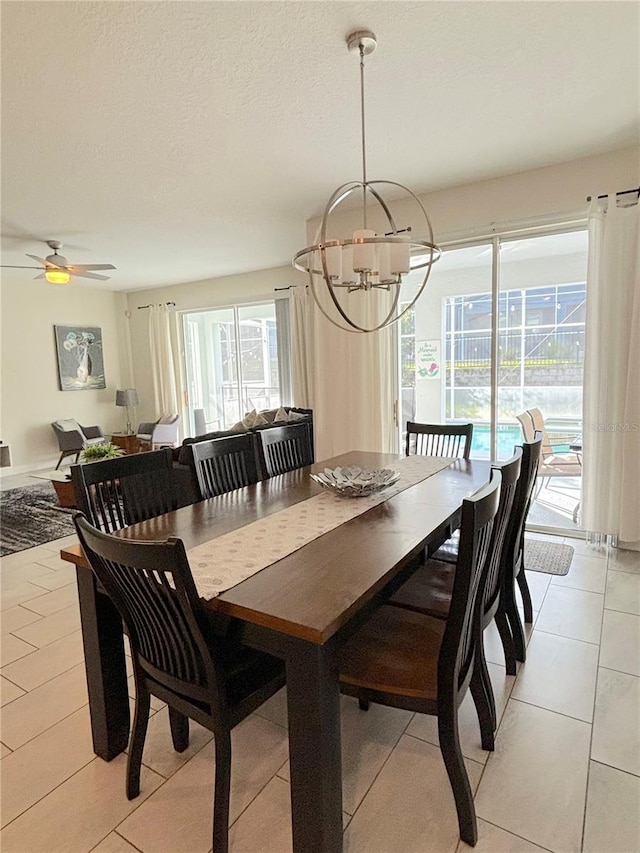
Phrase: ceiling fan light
x=57 y=276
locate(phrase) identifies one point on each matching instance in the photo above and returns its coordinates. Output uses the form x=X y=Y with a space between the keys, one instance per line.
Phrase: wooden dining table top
x=314 y=591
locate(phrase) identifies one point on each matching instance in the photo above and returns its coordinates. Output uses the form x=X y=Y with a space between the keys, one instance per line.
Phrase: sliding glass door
x=541 y=330
x=499 y=331
x=231 y=363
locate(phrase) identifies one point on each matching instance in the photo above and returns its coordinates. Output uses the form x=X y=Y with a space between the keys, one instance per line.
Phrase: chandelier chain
x=363 y=135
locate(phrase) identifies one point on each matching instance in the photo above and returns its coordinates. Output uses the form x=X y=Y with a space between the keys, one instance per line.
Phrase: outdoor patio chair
x=552 y=463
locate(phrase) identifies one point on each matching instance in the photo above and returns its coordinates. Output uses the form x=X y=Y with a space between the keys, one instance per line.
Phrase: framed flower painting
x=80 y=359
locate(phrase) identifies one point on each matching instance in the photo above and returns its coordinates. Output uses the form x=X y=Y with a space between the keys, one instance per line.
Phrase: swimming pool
x=509 y=435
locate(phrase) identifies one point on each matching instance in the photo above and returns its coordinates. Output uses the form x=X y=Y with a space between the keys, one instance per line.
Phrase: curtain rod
x=155 y=303
x=289 y=287
x=622 y=192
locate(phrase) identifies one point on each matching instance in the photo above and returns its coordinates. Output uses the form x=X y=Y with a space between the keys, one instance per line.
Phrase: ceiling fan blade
x=90 y=275
x=39 y=260
x=78 y=268
x=42 y=275
x=10 y=267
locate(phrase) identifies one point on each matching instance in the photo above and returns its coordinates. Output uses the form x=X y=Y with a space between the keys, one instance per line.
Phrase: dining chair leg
x=179 y=724
x=517 y=631
x=136 y=745
x=526 y=596
x=457 y=772
x=502 y=624
x=481 y=683
x=222 y=791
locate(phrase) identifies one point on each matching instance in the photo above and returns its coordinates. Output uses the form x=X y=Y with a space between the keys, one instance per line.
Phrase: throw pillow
x=298 y=416
x=280 y=415
x=253 y=419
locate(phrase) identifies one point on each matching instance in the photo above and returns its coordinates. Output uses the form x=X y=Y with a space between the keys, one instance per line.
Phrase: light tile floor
x=565 y=775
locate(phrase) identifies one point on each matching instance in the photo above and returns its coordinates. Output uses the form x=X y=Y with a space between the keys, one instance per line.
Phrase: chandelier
x=369 y=261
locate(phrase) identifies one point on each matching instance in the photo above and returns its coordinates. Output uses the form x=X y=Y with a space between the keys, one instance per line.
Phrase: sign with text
x=428 y=359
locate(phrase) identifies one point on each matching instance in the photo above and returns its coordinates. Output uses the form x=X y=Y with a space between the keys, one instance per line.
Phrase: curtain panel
x=611 y=406
x=347 y=379
x=162 y=363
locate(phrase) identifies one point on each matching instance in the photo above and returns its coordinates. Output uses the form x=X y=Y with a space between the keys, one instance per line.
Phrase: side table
x=63 y=487
x=127 y=441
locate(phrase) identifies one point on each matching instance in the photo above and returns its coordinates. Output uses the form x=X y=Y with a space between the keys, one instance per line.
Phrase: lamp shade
x=127 y=397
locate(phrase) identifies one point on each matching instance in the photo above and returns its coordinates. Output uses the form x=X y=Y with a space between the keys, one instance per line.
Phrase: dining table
x=301 y=608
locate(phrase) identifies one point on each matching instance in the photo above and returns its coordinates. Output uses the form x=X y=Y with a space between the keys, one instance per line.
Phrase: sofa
x=184 y=475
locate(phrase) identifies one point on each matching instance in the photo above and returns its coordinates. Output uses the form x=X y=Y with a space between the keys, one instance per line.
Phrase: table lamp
x=127 y=397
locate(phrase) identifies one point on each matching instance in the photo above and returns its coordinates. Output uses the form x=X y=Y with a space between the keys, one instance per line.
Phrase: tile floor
x=565 y=775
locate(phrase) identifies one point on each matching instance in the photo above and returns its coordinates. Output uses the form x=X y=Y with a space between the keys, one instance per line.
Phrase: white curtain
x=347 y=379
x=162 y=364
x=611 y=416
x=302 y=346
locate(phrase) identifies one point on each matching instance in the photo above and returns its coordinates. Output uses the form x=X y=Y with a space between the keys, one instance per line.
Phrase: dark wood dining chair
x=178 y=654
x=439 y=439
x=514 y=552
x=430 y=589
x=225 y=464
x=410 y=660
x=117 y=492
x=285 y=448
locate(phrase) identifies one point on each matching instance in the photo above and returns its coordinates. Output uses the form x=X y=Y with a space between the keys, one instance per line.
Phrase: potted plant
x=98 y=452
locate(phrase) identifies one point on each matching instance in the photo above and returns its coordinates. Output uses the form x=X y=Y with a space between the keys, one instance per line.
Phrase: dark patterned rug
x=31 y=516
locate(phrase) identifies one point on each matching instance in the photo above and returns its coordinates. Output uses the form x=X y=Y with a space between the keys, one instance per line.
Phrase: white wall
x=30 y=394
x=538 y=192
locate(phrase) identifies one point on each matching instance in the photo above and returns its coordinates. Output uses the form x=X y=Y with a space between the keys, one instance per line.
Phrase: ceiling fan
x=56 y=269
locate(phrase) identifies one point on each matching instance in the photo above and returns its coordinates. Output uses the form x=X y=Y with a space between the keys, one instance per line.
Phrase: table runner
x=229 y=559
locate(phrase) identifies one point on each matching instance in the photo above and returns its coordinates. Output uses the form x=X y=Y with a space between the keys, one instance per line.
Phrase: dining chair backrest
x=439 y=439
x=151 y=585
x=285 y=448
x=492 y=583
x=225 y=464
x=114 y=493
x=531 y=454
x=457 y=653
x=180 y=654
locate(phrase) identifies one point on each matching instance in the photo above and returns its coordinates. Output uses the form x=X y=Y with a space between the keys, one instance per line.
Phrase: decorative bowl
x=356 y=482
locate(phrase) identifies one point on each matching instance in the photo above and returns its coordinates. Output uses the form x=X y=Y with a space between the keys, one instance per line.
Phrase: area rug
x=31 y=516
x=547 y=557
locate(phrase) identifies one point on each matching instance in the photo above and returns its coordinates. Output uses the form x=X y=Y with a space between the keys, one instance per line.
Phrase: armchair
x=160 y=433
x=73 y=438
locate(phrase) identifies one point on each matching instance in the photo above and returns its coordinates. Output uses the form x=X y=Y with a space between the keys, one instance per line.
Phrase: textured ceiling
x=187 y=140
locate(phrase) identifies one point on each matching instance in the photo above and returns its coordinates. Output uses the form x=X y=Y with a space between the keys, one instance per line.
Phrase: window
x=231 y=362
